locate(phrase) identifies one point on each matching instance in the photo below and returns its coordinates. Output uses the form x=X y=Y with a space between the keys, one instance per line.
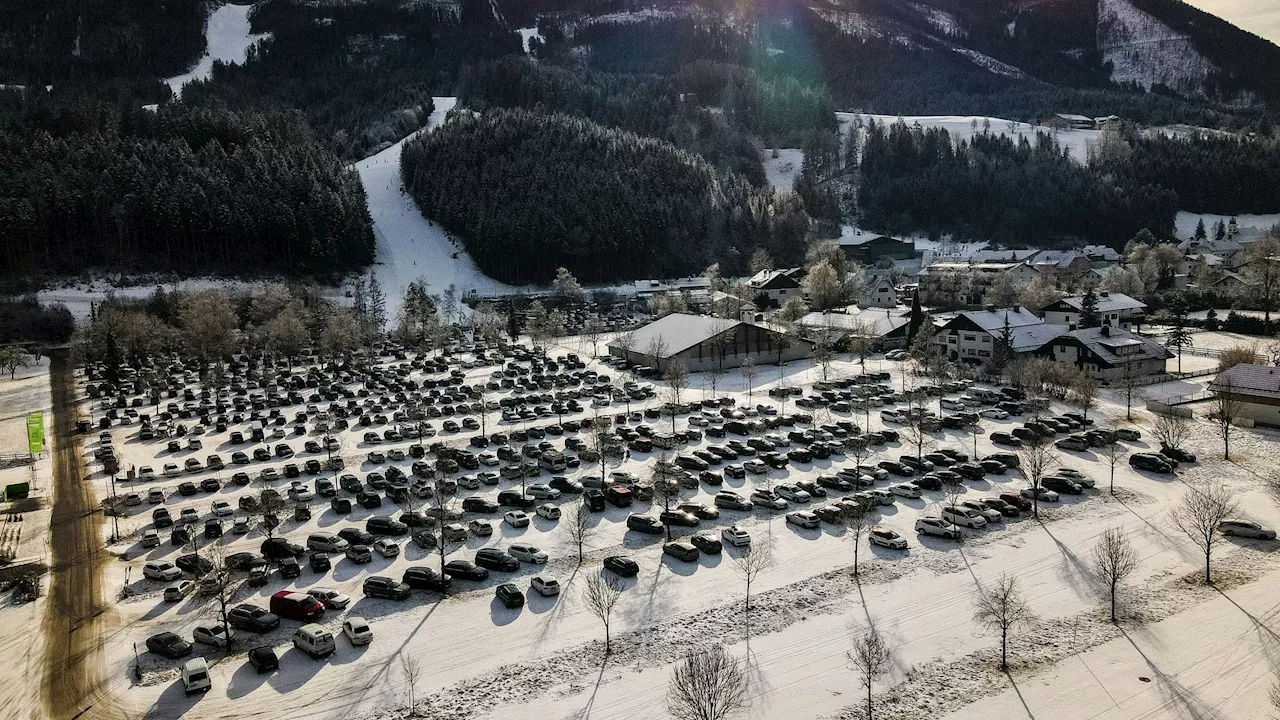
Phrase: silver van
x=314 y=640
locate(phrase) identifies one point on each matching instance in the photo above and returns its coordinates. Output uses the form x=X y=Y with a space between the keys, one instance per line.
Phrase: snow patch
x=943 y=22
x=1146 y=52
x=965 y=127
x=411 y=247
x=782 y=171
x=989 y=63
x=865 y=27
x=528 y=33
x=227 y=38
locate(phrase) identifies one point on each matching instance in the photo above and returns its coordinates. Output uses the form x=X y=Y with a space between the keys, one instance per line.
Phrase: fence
x=8 y=461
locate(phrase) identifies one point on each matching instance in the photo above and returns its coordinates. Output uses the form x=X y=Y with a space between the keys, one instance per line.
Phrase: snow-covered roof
x=1107 y=342
x=1249 y=380
x=994 y=320
x=879 y=322
x=1031 y=337
x=1012 y=256
x=677 y=332
x=1107 y=302
x=774 y=280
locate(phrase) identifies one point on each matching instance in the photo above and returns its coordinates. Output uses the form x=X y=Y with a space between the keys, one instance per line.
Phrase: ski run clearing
x=227 y=39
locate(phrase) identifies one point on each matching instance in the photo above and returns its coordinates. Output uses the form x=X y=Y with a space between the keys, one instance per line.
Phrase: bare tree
x=857 y=523
x=1129 y=383
x=1036 y=457
x=1113 y=453
x=626 y=342
x=412 y=670
x=270 y=504
x=1001 y=607
x=676 y=376
x=1114 y=559
x=915 y=432
x=757 y=558
x=592 y=331
x=823 y=355
x=602 y=595
x=1084 y=392
x=1198 y=516
x=578 y=526
x=657 y=349
x=862 y=341
x=1171 y=430
x=870 y=658
x=750 y=371
x=952 y=488
x=707 y=685
x=1225 y=411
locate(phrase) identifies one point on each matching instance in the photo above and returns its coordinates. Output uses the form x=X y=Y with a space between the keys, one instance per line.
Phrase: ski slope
x=410 y=246
x=227 y=38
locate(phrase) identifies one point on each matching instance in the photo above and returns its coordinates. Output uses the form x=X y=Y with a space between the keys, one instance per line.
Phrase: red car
x=1016 y=500
x=296 y=606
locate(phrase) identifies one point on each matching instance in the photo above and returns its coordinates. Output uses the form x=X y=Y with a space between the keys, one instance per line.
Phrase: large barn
x=703 y=342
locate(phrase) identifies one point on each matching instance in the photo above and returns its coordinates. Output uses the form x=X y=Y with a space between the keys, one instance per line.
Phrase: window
x=970 y=351
x=969 y=338
x=986 y=339
x=984 y=353
x=951 y=339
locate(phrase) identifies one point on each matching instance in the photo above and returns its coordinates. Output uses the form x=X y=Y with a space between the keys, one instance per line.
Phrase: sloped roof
x=1105 y=342
x=880 y=322
x=1033 y=337
x=994 y=320
x=1003 y=255
x=1111 y=302
x=1248 y=379
x=773 y=280
x=678 y=332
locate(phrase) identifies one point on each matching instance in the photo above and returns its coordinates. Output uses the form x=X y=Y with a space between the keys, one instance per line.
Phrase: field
x=481 y=659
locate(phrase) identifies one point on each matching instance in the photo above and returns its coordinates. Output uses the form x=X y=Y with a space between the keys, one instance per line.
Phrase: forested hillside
x=997 y=189
x=362 y=74
x=183 y=189
x=530 y=192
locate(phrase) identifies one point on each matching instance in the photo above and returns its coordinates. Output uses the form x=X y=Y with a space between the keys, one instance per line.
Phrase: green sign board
x=35 y=433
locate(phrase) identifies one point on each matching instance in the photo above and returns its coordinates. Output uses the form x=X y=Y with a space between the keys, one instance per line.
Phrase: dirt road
x=74 y=683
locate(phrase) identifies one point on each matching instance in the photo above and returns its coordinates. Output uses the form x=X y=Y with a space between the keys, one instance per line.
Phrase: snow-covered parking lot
x=481 y=659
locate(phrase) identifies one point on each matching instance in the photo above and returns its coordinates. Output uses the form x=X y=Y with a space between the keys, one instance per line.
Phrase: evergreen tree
x=1201 y=234
x=1002 y=353
x=1180 y=337
x=377 y=306
x=1089 y=315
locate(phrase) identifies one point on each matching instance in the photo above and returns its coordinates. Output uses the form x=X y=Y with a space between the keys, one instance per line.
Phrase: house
x=1255 y=389
x=731 y=306
x=1107 y=353
x=879 y=291
x=958 y=283
x=778 y=285
x=702 y=342
x=1061 y=268
x=1068 y=121
x=1101 y=256
x=1115 y=309
x=1232 y=283
x=972 y=336
x=887 y=325
x=870 y=249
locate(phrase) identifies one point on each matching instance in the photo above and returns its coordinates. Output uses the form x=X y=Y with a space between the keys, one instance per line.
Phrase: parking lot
x=786 y=529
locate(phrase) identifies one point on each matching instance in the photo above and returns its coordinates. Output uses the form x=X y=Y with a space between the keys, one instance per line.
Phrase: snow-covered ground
x=79 y=297
x=1185 y=223
x=227 y=37
x=544 y=661
x=965 y=127
x=409 y=245
x=528 y=33
x=782 y=171
x=944 y=250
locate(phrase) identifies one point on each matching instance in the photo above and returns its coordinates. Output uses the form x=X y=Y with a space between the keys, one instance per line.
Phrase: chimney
x=1017 y=308
x=1104 y=293
x=1106 y=331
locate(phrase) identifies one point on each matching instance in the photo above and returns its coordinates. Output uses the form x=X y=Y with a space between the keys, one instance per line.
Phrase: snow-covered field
x=965 y=127
x=1185 y=223
x=227 y=37
x=545 y=661
x=409 y=245
x=782 y=171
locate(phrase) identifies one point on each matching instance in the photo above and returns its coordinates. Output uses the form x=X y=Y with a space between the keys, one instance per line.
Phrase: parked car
x=645 y=524
x=621 y=565
x=802 y=518
x=509 y=595
x=168 y=644
x=1043 y=493
x=1246 y=528
x=886 y=537
x=382 y=586
x=215 y=634
x=425 y=578
x=525 y=552
x=1150 y=462
x=736 y=536
x=465 y=570
x=931 y=525
x=681 y=550
x=545 y=586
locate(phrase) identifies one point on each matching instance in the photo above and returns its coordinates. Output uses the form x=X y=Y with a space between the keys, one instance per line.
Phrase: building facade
x=702 y=343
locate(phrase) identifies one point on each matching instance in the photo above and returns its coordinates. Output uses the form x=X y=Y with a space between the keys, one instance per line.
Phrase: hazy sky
x=1260 y=17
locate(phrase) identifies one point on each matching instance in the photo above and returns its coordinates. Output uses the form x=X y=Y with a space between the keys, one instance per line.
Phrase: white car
x=736 y=536
x=301 y=493
x=488 y=459
x=330 y=598
x=155 y=496
x=215 y=634
x=964 y=517
x=146 y=473
x=991 y=516
x=891 y=416
x=766 y=499
x=516 y=518
x=697 y=421
x=527 y=553
x=623 y=478
x=178 y=590
x=792 y=493
x=896 y=355
x=222 y=508
x=881 y=496
x=802 y=518
x=548 y=511
x=188 y=516
x=906 y=490
x=994 y=414
x=755 y=467
x=357 y=631
x=884 y=537
x=480 y=528
x=171 y=470
x=386 y=548
x=159 y=570
x=949 y=404
x=545 y=586
x=930 y=525
x=1045 y=495
x=542 y=492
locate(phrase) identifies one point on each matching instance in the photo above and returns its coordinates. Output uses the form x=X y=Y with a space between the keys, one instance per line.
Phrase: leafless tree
x=823 y=355
x=676 y=376
x=1001 y=607
x=750 y=371
x=603 y=443
x=666 y=488
x=592 y=331
x=707 y=685
x=757 y=558
x=412 y=670
x=226 y=582
x=657 y=349
x=916 y=434
x=862 y=341
x=1084 y=392
x=271 y=504
x=578 y=526
x=1113 y=453
x=1198 y=516
x=870 y=658
x=952 y=488
x=1171 y=430
x=1129 y=384
x=626 y=342
x=857 y=523
x=1226 y=409
x=1114 y=559
x=602 y=595
x=974 y=429
x=1037 y=457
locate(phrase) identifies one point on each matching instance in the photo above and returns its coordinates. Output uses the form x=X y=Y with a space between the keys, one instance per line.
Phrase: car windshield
x=197 y=676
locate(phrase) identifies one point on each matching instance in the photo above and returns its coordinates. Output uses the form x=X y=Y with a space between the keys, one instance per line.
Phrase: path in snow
x=964 y=128
x=227 y=38
x=410 y=246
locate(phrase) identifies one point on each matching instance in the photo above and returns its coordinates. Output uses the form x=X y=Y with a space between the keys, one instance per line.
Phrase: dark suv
x=252 y=618
x=385 y=587
x=496 y=559
x=385 y=526
x=425 y=578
